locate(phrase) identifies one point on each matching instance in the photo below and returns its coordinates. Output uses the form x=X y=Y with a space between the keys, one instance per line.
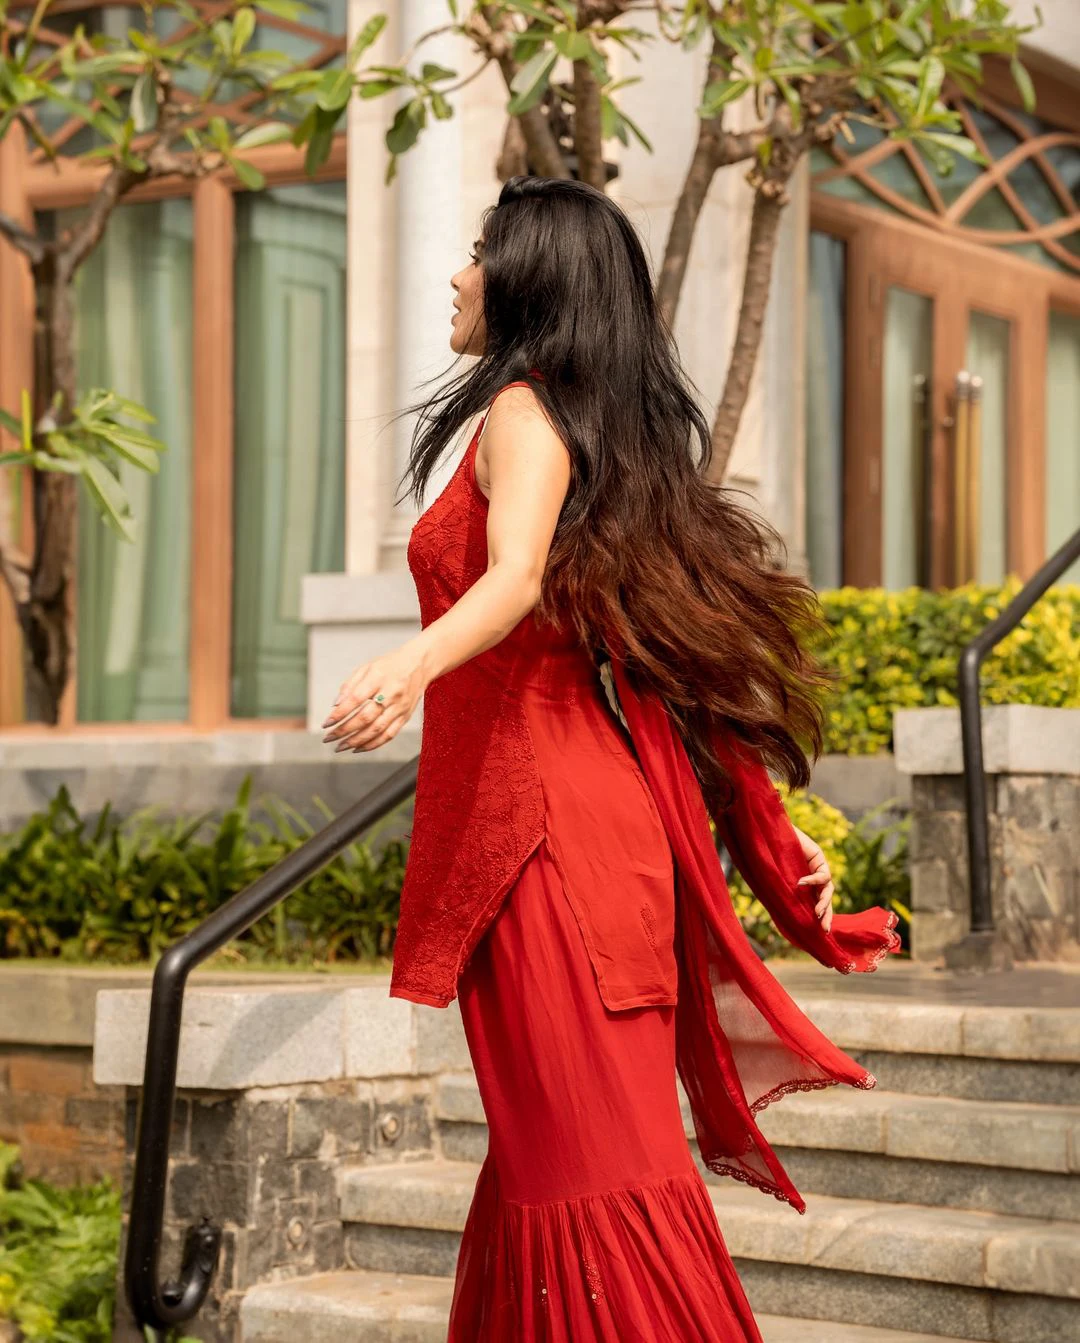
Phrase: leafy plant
x=901 y=650
x=59 y=1251
x=121 y=891
x=58 y=1258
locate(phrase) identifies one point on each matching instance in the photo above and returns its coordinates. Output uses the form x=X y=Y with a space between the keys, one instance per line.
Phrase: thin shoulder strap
x=520 y=382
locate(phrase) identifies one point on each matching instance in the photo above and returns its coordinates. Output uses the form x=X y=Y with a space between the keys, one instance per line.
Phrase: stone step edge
x=272 y=1311
x=958 y=1247
x=990 y=1134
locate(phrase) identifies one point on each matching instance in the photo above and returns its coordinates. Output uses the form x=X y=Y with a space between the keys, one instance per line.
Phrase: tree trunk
x=47 y=617
x=769 y=201
x=588 y=137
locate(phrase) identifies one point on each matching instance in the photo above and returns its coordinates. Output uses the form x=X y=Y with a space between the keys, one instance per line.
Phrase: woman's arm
x=524 y=468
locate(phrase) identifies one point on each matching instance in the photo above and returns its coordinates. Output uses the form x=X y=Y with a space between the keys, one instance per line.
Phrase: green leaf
x=292 y=10
x=408 y=122
x=365 y=37
x=269 y=133
x=15 y=458
x=440 y=106
x=143 y=108
x=335 y=90
x=243 y=28
x=791 y=98
x=135 y=448
x=573 y=45
x=430 y=72
x=719 y=93
x=248 y=174
x=321 y=141
x=26 y=428
x=11 y=424
x=958 y=144
x=375 y=88
x=531 y=80
x=931 y=77
x=1023 y=83
x=109 y=498
x=636 y=130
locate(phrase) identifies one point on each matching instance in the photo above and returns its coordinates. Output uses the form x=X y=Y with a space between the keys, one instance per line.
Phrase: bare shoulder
x=517 y=427
x=515 y=406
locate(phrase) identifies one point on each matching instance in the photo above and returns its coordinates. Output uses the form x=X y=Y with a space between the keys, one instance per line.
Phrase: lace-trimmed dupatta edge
x=741 y=1040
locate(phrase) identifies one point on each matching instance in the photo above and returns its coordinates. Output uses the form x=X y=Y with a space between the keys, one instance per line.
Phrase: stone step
x=963 y=1274
x=1004 y=1157
x=365 y=1307
x=970 y=1051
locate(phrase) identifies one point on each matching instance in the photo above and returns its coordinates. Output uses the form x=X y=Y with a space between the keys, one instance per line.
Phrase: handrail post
x=983 y=947
x=156 y=1305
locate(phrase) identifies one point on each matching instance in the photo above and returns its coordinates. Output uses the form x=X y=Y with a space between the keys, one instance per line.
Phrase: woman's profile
x=609 y=656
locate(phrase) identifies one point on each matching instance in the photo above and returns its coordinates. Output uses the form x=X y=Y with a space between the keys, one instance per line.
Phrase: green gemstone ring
x=379 y=698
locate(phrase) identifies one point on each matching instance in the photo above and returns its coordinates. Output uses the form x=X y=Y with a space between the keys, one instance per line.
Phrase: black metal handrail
x=978 y=824
x=158 y=1305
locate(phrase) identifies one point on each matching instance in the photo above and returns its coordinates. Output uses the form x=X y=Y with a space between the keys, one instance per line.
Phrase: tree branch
x=699 y=175
x=488 y=30
x=90 y=232
x=588 y=139
x=28 y=243
x=770 y=197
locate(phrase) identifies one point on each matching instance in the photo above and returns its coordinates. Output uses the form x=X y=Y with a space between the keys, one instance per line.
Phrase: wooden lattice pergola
x=948 y=218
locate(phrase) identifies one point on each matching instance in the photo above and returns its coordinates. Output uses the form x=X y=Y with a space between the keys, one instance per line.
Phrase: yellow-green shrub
x=902 y=650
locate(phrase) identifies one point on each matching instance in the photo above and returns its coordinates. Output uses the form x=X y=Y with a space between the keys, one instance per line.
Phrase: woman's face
x=468 y=334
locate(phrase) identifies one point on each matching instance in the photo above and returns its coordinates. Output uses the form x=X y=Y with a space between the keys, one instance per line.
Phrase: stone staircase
x=945 y=1204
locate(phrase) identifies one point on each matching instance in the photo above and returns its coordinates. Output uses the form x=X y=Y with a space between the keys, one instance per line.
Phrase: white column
x=429 y=250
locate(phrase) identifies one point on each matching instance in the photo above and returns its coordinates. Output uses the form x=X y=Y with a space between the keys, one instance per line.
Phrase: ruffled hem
x=868 y=937
x=635 y=1265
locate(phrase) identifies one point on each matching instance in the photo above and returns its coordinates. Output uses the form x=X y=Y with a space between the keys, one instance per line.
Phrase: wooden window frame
x=26 y=188
x=884 y=250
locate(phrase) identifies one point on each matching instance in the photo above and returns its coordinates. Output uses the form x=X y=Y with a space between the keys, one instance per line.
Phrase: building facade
x=911 y=418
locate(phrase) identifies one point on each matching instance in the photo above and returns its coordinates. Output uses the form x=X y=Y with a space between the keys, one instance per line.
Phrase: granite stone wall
x=1034 y=863
x=263 y=1165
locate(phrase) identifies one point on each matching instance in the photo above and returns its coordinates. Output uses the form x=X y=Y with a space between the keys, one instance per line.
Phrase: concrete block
x=380 y=1034
x=231 y=1039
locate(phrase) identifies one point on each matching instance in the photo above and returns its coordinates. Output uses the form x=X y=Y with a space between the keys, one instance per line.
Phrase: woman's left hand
x=358 y=722
x=819 y=875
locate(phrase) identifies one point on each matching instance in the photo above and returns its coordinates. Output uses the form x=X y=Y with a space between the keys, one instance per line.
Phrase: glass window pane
x=908 y=362
x=825 y=411
x=290 y=432
x=988 y=359
x=1062 y=441
x=134 y=337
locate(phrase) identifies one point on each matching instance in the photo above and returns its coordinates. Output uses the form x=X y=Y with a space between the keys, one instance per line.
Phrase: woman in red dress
x=608 y=656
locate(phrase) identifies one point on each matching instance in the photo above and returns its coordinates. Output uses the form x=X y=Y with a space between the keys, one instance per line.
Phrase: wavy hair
x=648 y=557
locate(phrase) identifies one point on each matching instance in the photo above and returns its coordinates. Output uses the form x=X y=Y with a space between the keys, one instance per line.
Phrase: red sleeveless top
x=741 y=1041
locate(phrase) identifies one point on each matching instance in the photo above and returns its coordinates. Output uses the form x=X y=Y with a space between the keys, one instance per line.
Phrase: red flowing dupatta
x=741 y=1041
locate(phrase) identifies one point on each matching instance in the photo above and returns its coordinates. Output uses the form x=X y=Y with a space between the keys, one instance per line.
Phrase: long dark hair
x=648 y=557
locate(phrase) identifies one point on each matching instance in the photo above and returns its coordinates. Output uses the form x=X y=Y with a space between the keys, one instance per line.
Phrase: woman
x=562 y=879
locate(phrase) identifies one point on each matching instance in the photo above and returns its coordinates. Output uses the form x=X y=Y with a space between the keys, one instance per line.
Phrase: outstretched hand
x=819 y=875
x=358 y=720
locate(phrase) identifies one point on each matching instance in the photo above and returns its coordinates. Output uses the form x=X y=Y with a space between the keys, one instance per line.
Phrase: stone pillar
x=1032 y=758
x=280 y=1087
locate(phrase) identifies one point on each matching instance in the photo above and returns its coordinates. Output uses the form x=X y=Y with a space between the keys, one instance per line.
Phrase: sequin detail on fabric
x=479 y=808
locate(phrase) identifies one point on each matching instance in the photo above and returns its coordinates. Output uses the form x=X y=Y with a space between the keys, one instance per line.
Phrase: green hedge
x=119 y=892
x=122 y=891
x=902 y=649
